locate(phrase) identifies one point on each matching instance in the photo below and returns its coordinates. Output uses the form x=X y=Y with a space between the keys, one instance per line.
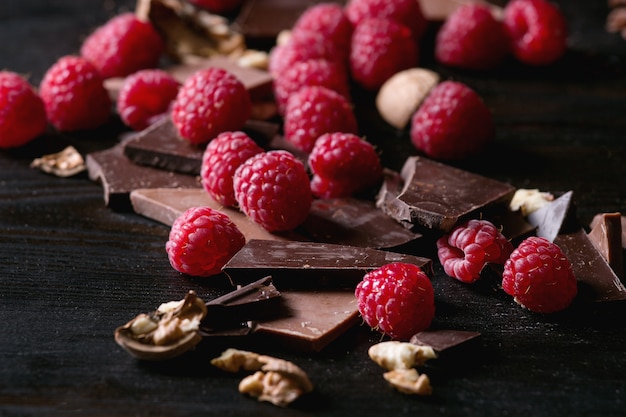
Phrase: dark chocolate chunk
x=436 y=196
x=161 y=146
x=607 y=235
x=354 y=222
x=119 y=176
x=595 y=277
x=555 y=217
x=441 y=340
x=311 y=264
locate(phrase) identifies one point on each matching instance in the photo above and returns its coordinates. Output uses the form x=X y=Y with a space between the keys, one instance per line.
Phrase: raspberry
x=221 y=158
x=272 y=188
x=406 y=12
x=304 y=45
x=452 y=123
x=379 y=49
x=313 y=111
x=22 y=113
x=343 y=159
x=218 y=6
x=308 y=73
x=201 y=241
x=74 y=96
x=396 y=299
x=210 y=101
x=539 y=276
x=122 y=46
x=537 y=30
x=329 y=20
x=472 y=38
x=145 y=96
x=466 y=250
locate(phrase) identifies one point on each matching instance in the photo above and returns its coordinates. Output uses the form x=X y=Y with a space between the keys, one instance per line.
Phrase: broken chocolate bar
x=436 y=196
x=313 y=319
x=441 y=340
x=595 y=277
x=608 y=236
x=161 y=146
x=165 y=205
x=354 y=222
x=119 y=176
x=311 y=264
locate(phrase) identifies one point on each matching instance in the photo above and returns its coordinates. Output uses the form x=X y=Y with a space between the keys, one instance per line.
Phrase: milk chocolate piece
x=313 y=318
x=161 y=146
x=598 y=217
x=311 y=264
x=436 y=196
x=354 y=222
x=119 y=176
x=439 y=10
x=595 y=276
x=441 y=340
x=165 y=205
x=607 y=236
x=555 y=217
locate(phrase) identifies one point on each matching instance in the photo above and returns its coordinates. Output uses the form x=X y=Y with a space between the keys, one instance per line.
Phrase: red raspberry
x=539 y=276
x=22 y=113
x=308 y=73
x=313 y=111
x=396 y=299
x=537 y=29
x=218 y=6
x=73 y=93
x=221 y=158
x=406 y=12
x=466 y=250
x=211 y=101
x=380 y=48
x=329 y=20
x=272 y=188
x=304 y=45
x=345 y=159
x=471 y=37
x=201 y=241
x=145 y=96
x=323 y=187
x=452 y=123
x=122 y=46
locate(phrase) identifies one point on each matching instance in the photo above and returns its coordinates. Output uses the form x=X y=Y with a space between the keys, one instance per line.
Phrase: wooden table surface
x=72 y=270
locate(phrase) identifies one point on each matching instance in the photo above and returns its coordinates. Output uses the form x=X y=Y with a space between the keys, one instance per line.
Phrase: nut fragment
x=409 y=381
x=165 y=333
x=401 y=95
x=394 y=355
x=276 y=380
x=529 y=200
x=65 y=163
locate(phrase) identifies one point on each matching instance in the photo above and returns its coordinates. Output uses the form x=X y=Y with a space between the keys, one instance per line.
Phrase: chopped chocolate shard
x=441 y=340
x=161 y=146
x=165 y=205
x=439 y=10
x=311 y=264
x=119 y=176
x=597 y=219
x=592 y=271
x=436 y=196
x=313 y=318
x=607 y=235
x=555 y=217
x=354 y=222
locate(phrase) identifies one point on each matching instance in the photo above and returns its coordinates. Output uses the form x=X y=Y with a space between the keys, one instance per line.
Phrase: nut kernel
x=393 y=355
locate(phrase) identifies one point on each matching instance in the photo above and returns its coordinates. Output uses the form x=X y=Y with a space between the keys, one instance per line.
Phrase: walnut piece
x=409 y=381
x=394 y=355
x=275 y=380
x=529 y=200
x=165 y=333
x=65 y=163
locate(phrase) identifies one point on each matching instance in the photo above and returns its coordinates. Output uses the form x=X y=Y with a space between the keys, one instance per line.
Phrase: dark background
x=71 y=270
